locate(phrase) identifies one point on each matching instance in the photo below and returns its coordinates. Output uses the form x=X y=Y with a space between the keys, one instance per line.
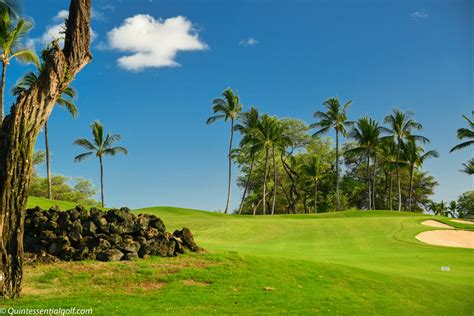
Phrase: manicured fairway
x=344 y=263
x=379 y=241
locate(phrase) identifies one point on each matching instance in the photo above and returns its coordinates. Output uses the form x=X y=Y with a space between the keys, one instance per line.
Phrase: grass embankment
x=347 y=263
x=46 y=203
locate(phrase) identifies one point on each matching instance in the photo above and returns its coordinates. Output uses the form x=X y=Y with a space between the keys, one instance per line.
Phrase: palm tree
x=248 y=125
x=388 y=155
x=11 y=45
x=334 y=117
x=228 y=107
x=65 y=100
x=11 y=6
x=469 y=167
x=401 y=125
x=415 y=156
x=367 y=135
x=466 y=133
x=265 y=138
x=100 y=146
x=280 y=141
x=315 y=170
x=453 y=207
x=439 y=208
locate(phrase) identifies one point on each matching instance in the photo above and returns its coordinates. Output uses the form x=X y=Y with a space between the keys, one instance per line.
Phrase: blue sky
x=286 y=57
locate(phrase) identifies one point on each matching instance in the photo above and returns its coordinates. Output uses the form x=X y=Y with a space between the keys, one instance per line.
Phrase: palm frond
x=110 y=139
x=25 y=83
x=115 y=150
x=83 y=156
x=469 y=167
x=97 y=133
x=462 y=145
x=321 y=131
x=214 y=118
x=85 y=143
x=27 y=56
x=68 y=105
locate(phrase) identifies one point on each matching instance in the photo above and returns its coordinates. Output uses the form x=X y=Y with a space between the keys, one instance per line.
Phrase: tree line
x=288 y=166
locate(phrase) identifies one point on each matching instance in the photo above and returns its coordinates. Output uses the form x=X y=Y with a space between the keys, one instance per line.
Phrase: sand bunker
x=462 y=221
x=433 y=223
x=449 y=238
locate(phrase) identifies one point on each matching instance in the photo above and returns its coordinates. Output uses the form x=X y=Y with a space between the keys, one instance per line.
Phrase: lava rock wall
x=112 y=235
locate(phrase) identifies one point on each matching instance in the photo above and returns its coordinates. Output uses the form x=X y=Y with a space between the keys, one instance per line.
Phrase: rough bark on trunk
x=101 y=181
x=265 y=182
x=338 y=202
x=229 y=186
x=2 y=92
x=247 y=184
x=19 y=131
x=48 y=161
x=274 y=181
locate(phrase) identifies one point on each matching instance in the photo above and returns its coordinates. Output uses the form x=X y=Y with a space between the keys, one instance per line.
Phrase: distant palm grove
x=290 y=167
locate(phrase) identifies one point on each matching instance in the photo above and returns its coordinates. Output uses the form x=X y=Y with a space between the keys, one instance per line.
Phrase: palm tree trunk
x=265 y=182
x=398 y=177
x=229 y=186
x=48 y=161
x=369 y=206
x=2 y=92
x=411 y=188
x=274 y=181
x=247 y=184
x=315 y=196
x=374 y=181
x=101 y=181
x=390 y=196
x=338 y=202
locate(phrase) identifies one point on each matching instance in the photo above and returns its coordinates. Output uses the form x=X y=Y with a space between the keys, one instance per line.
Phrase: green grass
x=46 y=203
x=334 y=263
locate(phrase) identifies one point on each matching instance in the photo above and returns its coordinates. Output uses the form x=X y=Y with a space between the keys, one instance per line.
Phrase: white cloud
x=153 y=43
x=53 y=32
x=62 y=15
x=248 y=42
x=56 y=31
x=420 y=14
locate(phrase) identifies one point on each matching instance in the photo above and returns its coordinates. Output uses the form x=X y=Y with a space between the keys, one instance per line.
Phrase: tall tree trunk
x=229 y=186
x=2 y=92
x=48 y=161
x=398 y=177
x=374 y=177
x=256 y=207
x=19 y=131
x=265 y=182
x=101 y=181
x=411 y=188
x=315 y=196
x=338 y=201
x=247 y=184
x=369 y=195
x=275 y=179
x=390 y=195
